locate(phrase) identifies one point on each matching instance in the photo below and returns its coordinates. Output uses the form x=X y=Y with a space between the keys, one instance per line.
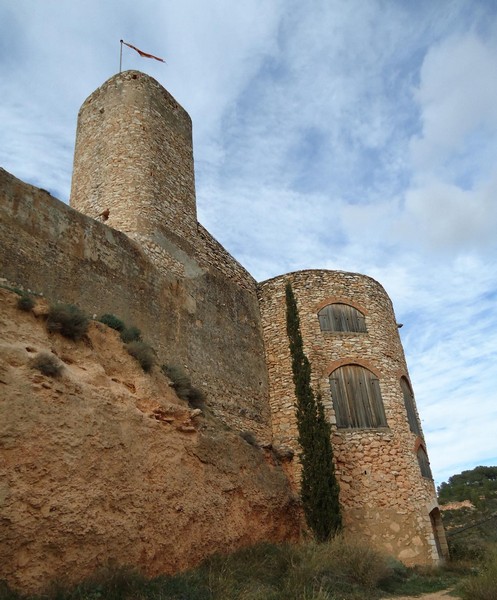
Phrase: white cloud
x=445 y=216
x=457 y=95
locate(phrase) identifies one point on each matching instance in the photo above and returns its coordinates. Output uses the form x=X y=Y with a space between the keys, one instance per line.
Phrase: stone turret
x=351 y=339
x=134 y=160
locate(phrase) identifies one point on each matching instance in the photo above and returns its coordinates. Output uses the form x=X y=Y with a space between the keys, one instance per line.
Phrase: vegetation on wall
x=143 y=353
x=319 y=487
x=25 y=302
x=112 y=321
x=68 y=320
x=129 y=334
x=182 y=385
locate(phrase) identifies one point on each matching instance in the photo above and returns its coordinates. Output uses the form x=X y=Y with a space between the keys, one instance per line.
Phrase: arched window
x=341 y=317
x=357 y=398
x=424 y=463
x=410 y=406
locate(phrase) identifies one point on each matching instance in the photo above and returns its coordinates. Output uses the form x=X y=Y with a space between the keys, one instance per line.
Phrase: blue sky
x=343 y=134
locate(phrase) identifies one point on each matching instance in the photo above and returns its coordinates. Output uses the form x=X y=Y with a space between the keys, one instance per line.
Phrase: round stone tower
x=351 y=339
x=133 y=161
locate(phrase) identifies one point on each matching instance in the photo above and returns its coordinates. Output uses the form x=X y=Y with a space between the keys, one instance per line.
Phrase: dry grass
x=48 y=364
x=143 y=353
x=482 y=586
x=340 y=569
x=68 y=320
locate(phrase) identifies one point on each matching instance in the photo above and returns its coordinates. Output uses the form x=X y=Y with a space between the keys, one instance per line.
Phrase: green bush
x=25 y=302
x=11 y=288
x=131 y=334
x=68 y=320
x=143 y=353
x=482 y=586
x=469 y=546
x=112 y=321
x=182 y=385
x=48 y=364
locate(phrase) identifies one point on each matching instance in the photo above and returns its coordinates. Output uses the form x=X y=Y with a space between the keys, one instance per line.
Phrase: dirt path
x=442 y=595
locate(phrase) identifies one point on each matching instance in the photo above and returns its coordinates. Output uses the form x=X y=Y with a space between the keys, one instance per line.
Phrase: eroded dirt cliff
x=104 y=464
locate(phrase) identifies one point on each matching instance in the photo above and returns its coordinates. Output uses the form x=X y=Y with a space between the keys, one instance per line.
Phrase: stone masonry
x=382 y=492
x=131 y=245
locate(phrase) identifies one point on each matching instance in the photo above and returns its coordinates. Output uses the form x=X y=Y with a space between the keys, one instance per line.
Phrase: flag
x=141 y=53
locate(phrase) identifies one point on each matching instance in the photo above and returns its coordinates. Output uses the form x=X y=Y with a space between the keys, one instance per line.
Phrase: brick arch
x=335 y=364
x=340 y=300
x=402 y=374
x=419 y=443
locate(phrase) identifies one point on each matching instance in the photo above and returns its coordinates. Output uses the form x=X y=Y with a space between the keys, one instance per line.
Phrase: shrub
x=143 y=353
x=484 y=585
x=359 y=562
x=250 y=438
x=6 y=593
x=131 y=334
x=113 y=322
x=11 y=288
x=182 y=385
x=108 y=583
x=48 y=364
x=196 y=398
x=470 y=546
x=337 y=565
x=180 y=381
x=25 y=302
x=69 y=320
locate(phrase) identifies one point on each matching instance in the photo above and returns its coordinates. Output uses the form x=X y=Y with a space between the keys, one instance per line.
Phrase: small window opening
x=410 y=405
x=424 y=463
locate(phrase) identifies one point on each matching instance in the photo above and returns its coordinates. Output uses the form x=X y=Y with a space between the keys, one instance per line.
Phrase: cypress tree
x=319 y=487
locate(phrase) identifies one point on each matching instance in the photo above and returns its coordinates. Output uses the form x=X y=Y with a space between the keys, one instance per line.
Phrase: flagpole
x=121 y=57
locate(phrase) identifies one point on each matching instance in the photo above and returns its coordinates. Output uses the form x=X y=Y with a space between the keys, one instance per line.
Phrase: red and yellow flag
x=141 y=53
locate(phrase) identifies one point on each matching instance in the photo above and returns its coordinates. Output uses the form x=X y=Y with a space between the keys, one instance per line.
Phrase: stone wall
x=139 y=252
x=200 y=319
x=383 y=495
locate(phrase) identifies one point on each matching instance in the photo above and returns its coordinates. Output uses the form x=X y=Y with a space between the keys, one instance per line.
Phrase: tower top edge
x=305 y=273
x=128 y=79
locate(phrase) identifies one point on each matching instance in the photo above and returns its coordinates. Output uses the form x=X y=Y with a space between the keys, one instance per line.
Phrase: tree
x=471 y=485
x=319 y=487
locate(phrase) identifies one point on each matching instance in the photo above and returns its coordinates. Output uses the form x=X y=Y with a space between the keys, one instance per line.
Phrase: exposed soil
x=105 y=464
x=442 y=595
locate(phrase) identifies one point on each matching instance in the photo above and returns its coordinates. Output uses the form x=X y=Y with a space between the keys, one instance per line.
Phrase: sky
x=354 y=135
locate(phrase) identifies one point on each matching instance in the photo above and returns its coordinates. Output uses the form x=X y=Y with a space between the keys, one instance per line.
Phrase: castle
x=130 y=244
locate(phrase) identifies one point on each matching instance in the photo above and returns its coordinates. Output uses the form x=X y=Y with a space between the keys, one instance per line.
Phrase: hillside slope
x=469 y=504
x=104 y=464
